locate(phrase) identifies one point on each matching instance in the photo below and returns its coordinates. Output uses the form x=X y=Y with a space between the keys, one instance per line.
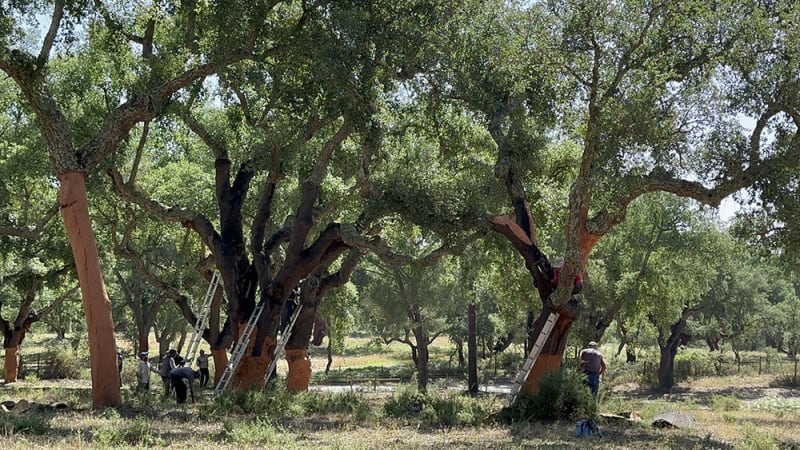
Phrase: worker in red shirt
x=577 y=285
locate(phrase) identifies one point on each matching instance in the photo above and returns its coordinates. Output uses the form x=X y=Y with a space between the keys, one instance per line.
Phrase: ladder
x=522 y=376
x=238 y=351
x=282 y=343
x=202 y=318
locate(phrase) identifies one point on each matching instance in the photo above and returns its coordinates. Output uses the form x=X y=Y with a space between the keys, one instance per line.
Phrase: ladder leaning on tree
x=238 y=350
x=202 y=318
x=287 y=332
x=522 y=376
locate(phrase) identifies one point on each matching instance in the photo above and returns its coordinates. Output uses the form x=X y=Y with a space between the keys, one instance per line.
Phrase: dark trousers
x=180 y=388
x=203 y=377
x=593 y=381
x=167 y=385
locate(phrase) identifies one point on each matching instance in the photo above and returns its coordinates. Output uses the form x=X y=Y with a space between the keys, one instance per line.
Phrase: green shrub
x=446 y=410
x=755 y=440
x=562 y=395
x=406 y=402
x=456 y=410
x=24 y=424
x=273 y=400
x=258 y=432
x=137 y=432
x=63 y=363
x=725 y=403
x=346 y=403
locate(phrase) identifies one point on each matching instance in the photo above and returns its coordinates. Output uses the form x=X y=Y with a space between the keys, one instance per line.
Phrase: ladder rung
x=533 y=355
x=238 y=350
x=282 y=343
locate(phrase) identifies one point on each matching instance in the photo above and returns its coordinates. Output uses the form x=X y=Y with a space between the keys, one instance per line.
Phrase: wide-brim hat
x=593 y=344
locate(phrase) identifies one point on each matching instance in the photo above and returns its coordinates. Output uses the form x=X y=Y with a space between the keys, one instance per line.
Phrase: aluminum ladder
x=282 y=343
x=202 y=318
x=238 y=350
x=522 y=376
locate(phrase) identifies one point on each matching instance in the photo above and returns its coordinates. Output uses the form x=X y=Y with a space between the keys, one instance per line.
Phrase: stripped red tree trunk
x=96 y=305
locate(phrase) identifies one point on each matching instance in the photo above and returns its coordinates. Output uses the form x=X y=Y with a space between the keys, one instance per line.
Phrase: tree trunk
x=299 y=376
x=630 y=355
x=220 y=356
x=11 y=364
x=551 y=355
x=143 y=340
x=668 y=350
x=666 y=367
x=252 y=369
x=472 y=349
x=422 y=367
x=329 y=352
x=96 y=305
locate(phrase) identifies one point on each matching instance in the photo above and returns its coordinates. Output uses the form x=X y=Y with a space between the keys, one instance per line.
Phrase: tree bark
x=299 y=377
x=96 y=304
x=11 y=365
x=249 y=375
x=472 y=349
x=220 y=356
x=669 y=348
x=423 y=357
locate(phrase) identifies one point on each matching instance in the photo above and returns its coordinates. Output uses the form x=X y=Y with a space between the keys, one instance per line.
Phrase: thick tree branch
x=52 y=32
x=184 y=216
x=32 y=234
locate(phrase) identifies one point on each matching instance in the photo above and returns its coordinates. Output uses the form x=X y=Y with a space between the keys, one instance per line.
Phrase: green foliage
x=64 y=363
x=258 y=432
x=562 y=396
x=722 y=403
x=136 y=432
x=697 y=363
x=756 y=440
x=349 y=403
x=278 y=402
x=257 y=402
x=440 y=410
x=30 y=423
x=405 y=402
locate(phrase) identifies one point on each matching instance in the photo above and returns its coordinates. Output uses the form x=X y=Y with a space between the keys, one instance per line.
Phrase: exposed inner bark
x=96 y=305
x=220 y=356
x=250 y=373
x=11 y=365
x=299 y=370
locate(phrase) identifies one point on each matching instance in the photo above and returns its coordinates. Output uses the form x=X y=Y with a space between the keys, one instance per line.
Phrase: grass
x=743 y=411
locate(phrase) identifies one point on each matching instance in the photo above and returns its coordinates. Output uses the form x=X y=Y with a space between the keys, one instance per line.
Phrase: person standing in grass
x=593 y=365
x=143 y=372
x=167 y=364
x=202 y=366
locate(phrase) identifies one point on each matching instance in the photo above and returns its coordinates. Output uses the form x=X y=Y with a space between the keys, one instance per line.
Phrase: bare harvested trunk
x=96 y=305
x=299 y=370
x=11 y=364
x=220 y=356
x=250 y=373
x=551 y=356
x=299 y=377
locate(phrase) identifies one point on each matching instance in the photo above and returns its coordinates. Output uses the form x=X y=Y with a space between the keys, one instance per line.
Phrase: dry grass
x=748 y=412
x=770 y=421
